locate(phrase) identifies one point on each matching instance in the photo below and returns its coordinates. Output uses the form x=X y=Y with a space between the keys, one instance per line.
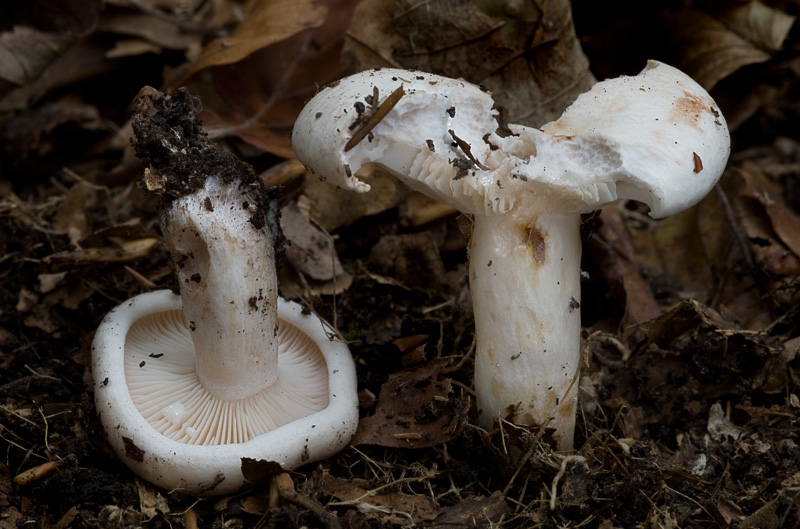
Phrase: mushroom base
x=215 y=468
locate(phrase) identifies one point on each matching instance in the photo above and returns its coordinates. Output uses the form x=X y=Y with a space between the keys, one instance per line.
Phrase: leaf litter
x=689 y=398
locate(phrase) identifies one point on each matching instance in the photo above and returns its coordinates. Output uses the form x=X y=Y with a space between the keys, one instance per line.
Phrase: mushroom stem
x=226 y=268
x=525 y=284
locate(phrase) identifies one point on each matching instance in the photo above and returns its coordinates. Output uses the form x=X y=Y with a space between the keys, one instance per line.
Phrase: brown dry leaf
x=707 y=49
x=75 y=18
x=258 y=98
x=311 y=251
x=10 y=518
x=769 y=193
x=672 y=250
x=764 y=518
x=39 y=35
x=616 y=258
x=117 y=253
x=332 y=207
x=124 y=242
x=267 y=22
x=473 y=511
x=41 y=138
x=157 y=31
x=396 y=507
x=410 y=259
x=151 y=501
x=708 y=327
x=415 y=410
x=258 y=504
x=420 y=209
x=70 y=219
x=25 y=53
x=525 y=53
x=699 y=253
x=727 y=512
x=131 y=48
x=762 y=25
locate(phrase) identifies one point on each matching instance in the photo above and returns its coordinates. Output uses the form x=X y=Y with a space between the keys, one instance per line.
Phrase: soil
x=690 y=395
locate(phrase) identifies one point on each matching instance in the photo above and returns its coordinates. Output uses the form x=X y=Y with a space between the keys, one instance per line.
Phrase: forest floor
x=690 y=398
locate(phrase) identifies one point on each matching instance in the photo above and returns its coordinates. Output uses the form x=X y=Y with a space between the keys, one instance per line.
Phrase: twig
x=561 y=471
x=326 y=517
x=376 y=117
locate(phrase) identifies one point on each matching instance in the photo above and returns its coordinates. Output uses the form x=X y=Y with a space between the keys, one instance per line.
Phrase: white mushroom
x=657 y=137
x=187 y=386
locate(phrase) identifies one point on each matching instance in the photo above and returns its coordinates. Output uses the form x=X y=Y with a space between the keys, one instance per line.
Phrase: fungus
x=188 y=386
x=656 y=137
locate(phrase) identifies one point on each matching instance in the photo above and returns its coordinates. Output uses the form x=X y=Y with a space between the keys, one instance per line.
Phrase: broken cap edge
x=657 y=137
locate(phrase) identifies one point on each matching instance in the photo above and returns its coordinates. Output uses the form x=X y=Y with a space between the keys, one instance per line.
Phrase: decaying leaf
x=525 y=53
x=113 y=253
x=257 y=92
x=266 y=22
x=615 y=256
x=692 y=317
x=25 y=53
x=762 y=25
x=709 y=50
x=411 y=259
x=415 y=410
x=159 y=33
x=473 y=512
x=769 y=193
x=391 y=507
x=311 y=251
x=332 y=207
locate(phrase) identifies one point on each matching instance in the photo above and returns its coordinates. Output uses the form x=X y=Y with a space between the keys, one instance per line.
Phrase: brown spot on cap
x=688 y=110
x=698 y=163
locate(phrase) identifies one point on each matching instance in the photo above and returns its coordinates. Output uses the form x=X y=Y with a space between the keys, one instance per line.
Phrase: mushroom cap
x=657 y=137
x=413 y=140
x=167 y=429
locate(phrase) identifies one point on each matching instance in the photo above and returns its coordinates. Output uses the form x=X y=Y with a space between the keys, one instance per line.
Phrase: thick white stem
x=525 y=283
x=226 y=267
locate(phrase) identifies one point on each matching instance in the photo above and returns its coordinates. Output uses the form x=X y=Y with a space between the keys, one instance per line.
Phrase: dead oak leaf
x=268 y=22
x=706 y=48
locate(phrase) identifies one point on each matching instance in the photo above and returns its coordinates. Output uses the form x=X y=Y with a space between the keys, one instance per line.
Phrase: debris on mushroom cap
x=657 y=137
x=435 y=137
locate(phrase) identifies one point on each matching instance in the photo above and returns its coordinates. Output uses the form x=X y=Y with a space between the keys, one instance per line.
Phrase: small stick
x=380 y=113
x=561 y=471
x=465 y=147
x=326 y=517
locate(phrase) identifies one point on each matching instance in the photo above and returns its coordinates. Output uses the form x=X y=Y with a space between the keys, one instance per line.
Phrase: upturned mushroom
x=189 y=386
x=656 y=137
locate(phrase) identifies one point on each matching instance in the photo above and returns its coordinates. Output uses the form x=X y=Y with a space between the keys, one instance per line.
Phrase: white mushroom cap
x=413 y=140
x=657 y=137
x=169 y=430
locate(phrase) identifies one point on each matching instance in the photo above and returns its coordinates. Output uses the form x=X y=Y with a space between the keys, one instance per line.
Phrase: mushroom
x=188 y=387
x=656 y=137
